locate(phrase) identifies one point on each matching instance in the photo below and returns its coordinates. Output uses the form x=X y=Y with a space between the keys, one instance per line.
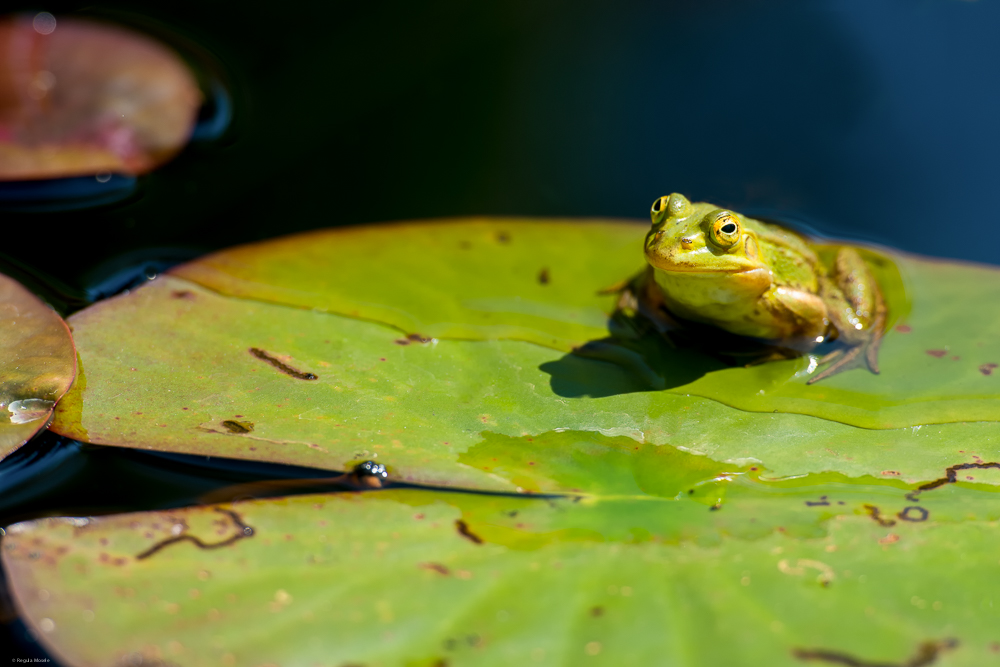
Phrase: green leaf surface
x=537 y=281
x=784 y=571
x=477 y=279
x=170 y=367
x=37 y=364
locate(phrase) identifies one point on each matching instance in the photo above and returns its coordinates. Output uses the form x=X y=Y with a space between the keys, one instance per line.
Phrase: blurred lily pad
x=37 y=364
x=175 y=367
x=79 y=97
x=537 y=281
x=421 y=577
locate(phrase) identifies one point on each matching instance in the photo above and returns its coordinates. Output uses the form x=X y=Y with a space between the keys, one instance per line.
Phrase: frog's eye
x=725 y=230
x=659 y=209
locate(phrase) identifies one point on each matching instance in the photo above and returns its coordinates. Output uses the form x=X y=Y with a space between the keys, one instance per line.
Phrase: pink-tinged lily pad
x=79 y=97
x=37 y=364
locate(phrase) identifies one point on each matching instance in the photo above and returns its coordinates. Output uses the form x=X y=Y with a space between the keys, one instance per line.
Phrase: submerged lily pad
x=175 y=367
x=420 y=577
x=79 y=97
x=37 y=364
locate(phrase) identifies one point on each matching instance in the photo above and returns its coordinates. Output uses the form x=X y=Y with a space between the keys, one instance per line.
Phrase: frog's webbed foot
x=878 y=329
x=839 y=360
x=863 y=353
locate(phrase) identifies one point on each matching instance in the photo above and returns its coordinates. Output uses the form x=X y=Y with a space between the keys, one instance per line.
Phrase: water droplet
x=29 y=410
x=44 y=23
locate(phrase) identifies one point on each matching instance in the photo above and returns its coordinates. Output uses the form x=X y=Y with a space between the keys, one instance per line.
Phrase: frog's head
x=700 y=238
x=702 y=241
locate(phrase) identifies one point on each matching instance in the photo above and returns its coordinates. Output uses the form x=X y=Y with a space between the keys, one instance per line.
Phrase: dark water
x=867 y=119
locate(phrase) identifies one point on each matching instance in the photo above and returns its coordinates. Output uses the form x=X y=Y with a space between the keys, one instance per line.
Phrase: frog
x=715 y=267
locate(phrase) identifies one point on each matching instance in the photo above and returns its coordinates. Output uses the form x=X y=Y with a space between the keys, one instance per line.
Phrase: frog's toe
x=829 y=357
x=871 y=357
x=843 y=360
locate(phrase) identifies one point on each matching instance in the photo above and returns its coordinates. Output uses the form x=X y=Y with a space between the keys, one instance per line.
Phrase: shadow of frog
x=638 y=357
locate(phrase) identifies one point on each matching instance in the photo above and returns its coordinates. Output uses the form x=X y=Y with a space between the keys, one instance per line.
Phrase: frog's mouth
x=699 y=261
x=663 y=264
x=680 y=268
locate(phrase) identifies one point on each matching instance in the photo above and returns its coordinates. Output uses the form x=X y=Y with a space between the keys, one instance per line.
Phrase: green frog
x=715 y=267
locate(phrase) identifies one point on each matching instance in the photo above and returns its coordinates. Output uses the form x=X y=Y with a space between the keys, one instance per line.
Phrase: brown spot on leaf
x=463 y=530
x=951 y=474
x=876 y=514
x=927 y=654
x=937 y=353
x=597 y=611
x=987 y=369
x=234 y=426
x=182 y=294
x=242 y=531
x=904 y=328
x=435 y=567
x=280 y=365
x=543 y=276
x=503 y=237
x=413 y=338
x=914 y=514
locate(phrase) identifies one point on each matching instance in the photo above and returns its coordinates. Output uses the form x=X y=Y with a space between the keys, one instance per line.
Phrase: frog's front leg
x=797 y=313
x=642 y=295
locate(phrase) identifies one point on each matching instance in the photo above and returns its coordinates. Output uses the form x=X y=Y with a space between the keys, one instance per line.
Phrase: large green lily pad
x=538 y=281
x=730 y=569
x=175 y=367
x=37 y=364
x=478 y=279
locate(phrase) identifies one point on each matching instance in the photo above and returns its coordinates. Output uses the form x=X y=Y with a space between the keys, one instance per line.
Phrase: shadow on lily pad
x=612 y=366
x=636 y=358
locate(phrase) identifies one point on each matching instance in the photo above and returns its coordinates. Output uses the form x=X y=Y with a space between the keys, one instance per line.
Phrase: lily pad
x=421 y=577
x=37 y=364
x=79 y=98
x=473 y=279
x=175 y=367
x=538 y=281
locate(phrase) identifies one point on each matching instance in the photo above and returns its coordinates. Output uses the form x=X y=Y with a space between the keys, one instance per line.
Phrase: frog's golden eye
x=725 y=230
x=659 y=209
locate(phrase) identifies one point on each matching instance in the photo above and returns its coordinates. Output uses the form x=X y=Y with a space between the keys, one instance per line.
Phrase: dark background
x=866 y=119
